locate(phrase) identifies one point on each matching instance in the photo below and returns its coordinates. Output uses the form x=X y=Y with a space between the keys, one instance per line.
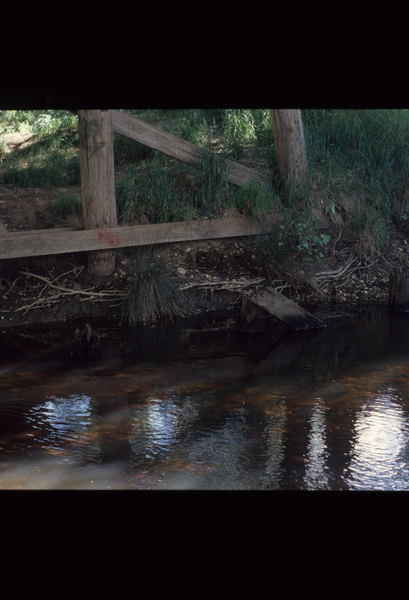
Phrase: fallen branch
x=42 y=302
x=336 y=274
x=223 y=285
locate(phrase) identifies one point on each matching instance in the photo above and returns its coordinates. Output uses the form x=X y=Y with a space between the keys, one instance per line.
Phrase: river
x=325 y=410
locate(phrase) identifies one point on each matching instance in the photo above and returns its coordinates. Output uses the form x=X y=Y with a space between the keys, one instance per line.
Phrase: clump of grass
x=371 y=230
x=68 y=205
x=215 y=189
x=239 y=129
x=257 y=199
x=193 y=127
x=156 y=193
x=152 y=294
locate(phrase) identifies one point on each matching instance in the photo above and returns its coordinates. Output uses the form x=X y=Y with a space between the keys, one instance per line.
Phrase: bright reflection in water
x=316 y=475
x=63 y=414
x=62 y=425
x=378 y=447
x=154 y=428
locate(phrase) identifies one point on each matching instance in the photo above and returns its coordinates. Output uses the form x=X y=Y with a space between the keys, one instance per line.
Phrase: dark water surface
x=321 y=411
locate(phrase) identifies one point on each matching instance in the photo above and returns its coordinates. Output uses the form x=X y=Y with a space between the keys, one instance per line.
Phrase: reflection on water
x=379 y=444
x=316 y=468
x=62 y=426
x=326 y=411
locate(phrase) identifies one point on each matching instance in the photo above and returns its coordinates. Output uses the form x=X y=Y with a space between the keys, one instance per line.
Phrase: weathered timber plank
x=290 y=145
x=48 y=230
x=97 y=180
x=176 y=147
x=20 y=245
x=284 y=309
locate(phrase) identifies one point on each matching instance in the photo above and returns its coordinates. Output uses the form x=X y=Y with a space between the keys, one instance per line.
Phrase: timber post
x=98 y=181
x=290 y=145
x=398 y=300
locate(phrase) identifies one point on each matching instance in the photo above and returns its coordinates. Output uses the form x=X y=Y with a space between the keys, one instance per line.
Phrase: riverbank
x=44 y=301
x=211 y=275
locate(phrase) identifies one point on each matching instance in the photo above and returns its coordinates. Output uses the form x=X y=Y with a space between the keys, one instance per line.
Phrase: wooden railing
x=102 y=234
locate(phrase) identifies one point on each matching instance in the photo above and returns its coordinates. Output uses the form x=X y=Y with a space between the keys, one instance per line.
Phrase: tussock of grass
x=152 y=294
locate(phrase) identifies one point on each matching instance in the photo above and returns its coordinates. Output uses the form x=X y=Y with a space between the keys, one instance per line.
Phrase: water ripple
x=379 y=445
x=62 y=425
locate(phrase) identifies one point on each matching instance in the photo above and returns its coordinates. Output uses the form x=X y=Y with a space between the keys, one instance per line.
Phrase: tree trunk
x=97 y=181
x=290 y=146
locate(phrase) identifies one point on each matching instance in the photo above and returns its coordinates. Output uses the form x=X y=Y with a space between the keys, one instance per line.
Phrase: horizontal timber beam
x=26 y=244
x=176 y=147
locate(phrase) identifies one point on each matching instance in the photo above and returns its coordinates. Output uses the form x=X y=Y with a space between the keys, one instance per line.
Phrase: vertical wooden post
x=290 y=145
x=399 y=290
x=97 y=181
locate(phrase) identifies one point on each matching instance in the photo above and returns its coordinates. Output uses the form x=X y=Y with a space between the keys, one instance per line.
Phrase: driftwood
x=284 y=309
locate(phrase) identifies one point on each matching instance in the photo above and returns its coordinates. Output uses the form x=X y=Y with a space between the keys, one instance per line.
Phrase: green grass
x=56 y=168
x=157 y=192
x=365 y=152
x=68 y=205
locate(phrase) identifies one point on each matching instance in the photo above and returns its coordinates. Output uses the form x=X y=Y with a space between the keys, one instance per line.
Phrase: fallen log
x=284 y=309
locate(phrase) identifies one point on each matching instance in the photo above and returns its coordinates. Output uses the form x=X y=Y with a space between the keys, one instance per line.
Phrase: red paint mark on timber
x=108 y=238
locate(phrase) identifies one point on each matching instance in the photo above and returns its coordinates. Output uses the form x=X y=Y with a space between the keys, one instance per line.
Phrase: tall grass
x=365 y=152
x=159 y=191
x=215 y=187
